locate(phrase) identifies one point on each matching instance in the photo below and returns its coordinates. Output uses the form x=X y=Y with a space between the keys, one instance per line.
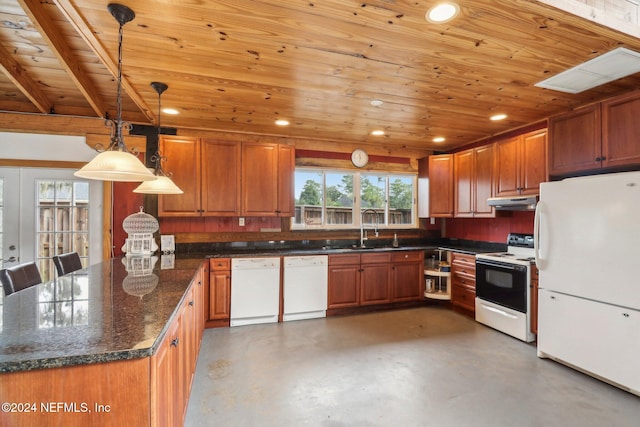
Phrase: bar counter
x=102 y=314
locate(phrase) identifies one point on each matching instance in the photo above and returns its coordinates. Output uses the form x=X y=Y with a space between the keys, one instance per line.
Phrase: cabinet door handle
x=598 y=159
x=175 y=342
x=191 y=303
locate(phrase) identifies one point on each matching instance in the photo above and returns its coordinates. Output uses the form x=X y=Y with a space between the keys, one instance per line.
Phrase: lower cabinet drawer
x=463 y=297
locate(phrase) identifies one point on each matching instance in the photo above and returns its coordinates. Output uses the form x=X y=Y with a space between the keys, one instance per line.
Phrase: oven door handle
x=497 y=310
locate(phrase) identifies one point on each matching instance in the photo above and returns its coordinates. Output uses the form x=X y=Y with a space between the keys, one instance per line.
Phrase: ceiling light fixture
x=171 y=111
x=498 y=117
x=377 y=132
x=376 y=102
x=116 y=162
x=438 y=139
x=442 y=12
x=282 y=122
x=163 y=184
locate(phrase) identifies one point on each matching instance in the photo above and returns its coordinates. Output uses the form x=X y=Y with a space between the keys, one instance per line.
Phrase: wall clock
x=359 y=158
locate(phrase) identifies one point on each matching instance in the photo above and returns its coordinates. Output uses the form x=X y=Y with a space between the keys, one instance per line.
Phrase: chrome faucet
x=363 y=233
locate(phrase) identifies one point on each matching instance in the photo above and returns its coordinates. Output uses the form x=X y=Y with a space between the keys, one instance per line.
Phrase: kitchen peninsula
x=104 y=346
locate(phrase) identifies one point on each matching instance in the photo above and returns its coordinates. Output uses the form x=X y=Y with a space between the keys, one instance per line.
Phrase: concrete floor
x=426 y=366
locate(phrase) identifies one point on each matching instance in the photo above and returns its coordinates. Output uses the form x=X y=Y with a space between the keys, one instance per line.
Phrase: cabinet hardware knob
x=603 y=158
x=191 y=303
x=598 y=159
x=175 y=342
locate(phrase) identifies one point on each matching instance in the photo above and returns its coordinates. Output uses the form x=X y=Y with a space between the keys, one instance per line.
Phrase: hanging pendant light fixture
x=163 y=184
x=116 y=162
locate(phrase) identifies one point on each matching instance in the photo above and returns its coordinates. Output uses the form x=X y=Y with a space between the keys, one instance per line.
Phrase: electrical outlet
x=241 y=222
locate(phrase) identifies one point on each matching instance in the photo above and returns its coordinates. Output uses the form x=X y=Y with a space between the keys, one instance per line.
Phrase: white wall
x=28 y=146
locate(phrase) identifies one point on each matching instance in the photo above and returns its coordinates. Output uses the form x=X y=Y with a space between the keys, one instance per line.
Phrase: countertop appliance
x=305 y=287
x=255 y=290
x=587 y=235
x=503 y=282
x=513 y=203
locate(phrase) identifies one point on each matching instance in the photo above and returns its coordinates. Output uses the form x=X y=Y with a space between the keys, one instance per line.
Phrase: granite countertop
x=329 y=250
x=99 y=315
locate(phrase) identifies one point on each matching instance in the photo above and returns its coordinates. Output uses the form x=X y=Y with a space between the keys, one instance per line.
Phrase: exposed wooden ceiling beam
x=49 y=32
x=81 y=26
x=14 y=71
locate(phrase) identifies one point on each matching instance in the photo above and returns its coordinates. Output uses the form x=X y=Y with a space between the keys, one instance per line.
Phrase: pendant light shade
x=163 y=184
x=116 y=162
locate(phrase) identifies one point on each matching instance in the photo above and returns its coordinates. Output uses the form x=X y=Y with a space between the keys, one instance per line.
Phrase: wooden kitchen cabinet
x=173 y=365
x=474 y=182
x=267 y=179
x=534 y=299
x=463 y=282
x=222 y=178
x=521 y=164
x=620 y=130
x=407 y=272
x=219 y=312
x=344 y=281
x=575 y=140
x=375 y=278
x=441 y=185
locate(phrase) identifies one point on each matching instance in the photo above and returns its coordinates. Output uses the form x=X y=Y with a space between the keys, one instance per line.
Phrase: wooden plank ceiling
x=238 y=65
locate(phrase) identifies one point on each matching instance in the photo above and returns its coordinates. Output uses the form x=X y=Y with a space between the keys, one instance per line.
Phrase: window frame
x=357 y=177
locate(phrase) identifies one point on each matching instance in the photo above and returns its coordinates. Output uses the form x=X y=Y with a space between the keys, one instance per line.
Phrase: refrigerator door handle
x=536 y=236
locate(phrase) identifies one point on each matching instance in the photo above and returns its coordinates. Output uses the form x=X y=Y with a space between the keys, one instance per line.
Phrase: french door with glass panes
x=47 y=212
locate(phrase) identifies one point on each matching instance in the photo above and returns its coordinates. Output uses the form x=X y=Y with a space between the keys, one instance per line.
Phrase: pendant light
x=163 y=184
x=116 y=162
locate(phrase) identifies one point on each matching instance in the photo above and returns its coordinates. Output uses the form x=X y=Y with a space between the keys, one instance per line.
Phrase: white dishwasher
x=305 y=287
x=255 y=290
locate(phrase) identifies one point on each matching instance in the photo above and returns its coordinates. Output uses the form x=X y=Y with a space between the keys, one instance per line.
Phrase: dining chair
x=20 y=277
x=67 y=263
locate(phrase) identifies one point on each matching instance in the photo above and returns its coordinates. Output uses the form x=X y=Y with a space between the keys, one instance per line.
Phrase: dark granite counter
x=99 y=315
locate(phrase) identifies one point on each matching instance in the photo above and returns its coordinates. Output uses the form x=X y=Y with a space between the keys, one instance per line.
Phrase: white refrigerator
x=587 y=246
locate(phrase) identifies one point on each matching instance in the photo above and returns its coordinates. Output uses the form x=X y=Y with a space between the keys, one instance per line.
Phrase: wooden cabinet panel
x=220 y=289
x=473 y=182
x=463 y=297
x=183 y=162
x=463 y=183
x=521 y=164
x=484 y=181
x=533 y=170
x=374 y=284
x=259 y=179
x=286 y=180
x=220 y=178
x=441 y=185
x=534 y=299
x=407 y=274
x=620 y=130
x=344 y=286
x=575 y=141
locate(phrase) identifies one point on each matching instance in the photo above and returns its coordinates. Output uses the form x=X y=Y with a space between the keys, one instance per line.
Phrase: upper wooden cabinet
x=441 y=185
x=267 y=179
x=222 y=178
x=521 y=164
x=575 y=141
x=474 y=182
x=598 y=136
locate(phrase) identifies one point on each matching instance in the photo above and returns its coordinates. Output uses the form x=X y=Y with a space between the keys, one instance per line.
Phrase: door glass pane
x=401 y=200
x=339 y=198
x=63 y=214
x=308 y=198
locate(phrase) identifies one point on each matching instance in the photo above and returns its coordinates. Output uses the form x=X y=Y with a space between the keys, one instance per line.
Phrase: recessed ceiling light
x=170 y=111
x=442 y=12
x=282 y=122
x=498 y=117
x=377 y=132
x=376 y=102
x=438 y=139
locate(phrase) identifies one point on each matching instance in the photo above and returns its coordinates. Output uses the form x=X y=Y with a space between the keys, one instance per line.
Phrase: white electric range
x=503 y=287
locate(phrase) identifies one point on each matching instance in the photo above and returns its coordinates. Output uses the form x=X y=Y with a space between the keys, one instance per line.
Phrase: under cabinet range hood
x=514 y=203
